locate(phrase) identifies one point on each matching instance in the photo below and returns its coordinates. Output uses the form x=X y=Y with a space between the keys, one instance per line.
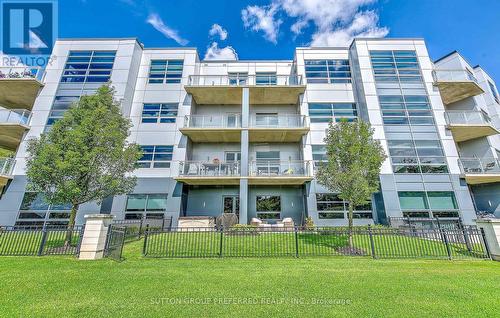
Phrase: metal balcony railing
x=212 y=121
x=6 y=166
x=209 y=169
x=21 y=72
x=479 y=165
x=15 y=116
x=276 y=168
x=466 y=118
x=278 y=121
x=453 y=76
x=245 y=80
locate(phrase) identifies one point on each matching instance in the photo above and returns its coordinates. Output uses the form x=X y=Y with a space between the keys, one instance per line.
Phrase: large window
x=156 y=156
x=327 y=112
x=145 y=205
x=406 y=110
x=494 y=91
x=88 y=66
x=267 y=78
x=159 y=113
x=328 y=71
x=35 y=209
x=165 y=71
x=428 y=204
x=319 y=152
x=330 y=206
x=268 y=207
x=417 y=156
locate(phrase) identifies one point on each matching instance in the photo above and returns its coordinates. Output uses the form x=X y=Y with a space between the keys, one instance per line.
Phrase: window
x=417 y=156
x=265 y=78
x=326 y=112
x=268 y=207
x=268 y=162
x=165 y=71
x=494 y=92
x=88 y=66
x=327 y=71
x=330 y=206
x=162 y=113
x=149 y=205
x=319 y=152
x=232 y=156
x=266 y=120
x=35 y=207
x=156 y=156
x=237 y=78
x=60 y=106
x=406 y=110
x=395 y=67
x=421 y=203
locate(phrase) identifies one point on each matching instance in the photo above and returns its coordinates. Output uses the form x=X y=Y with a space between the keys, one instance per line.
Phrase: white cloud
x=336 y=22
x=218 y=30
x=216 y=53
x=262 y=18
x=157 y=23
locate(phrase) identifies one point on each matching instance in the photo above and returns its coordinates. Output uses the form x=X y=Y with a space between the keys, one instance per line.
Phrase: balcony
x=227 y=89
x=209 y=173
x=273 y=172
x=19 y=86
x=479 y=171
x=212 y=128
x=6 y=169
x=467 y=125
x=13 y=125
x=455 y=85
x=278 y=128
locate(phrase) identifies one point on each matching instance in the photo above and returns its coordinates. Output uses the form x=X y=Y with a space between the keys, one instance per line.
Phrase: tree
x=353 y=164
x=84 y=156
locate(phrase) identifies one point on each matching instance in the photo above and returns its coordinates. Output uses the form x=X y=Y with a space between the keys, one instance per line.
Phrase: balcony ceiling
x=206 y=180
x=19 y=93
x=482 y=178
x=454 y=91
x=212 y=134
x=219 y=95
x=11 y=135
x=277 y=134
x=275 y=94
x=464 y=132
x=278 y=180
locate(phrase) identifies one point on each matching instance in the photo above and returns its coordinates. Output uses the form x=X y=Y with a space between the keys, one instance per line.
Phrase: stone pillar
x=94 y=236
x=491 y=228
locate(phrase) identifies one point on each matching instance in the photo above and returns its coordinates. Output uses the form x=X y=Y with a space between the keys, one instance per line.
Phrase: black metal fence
x=427 y=223
x=134 y=229
x=376 y=242
x=39 y=241
x=115 y=242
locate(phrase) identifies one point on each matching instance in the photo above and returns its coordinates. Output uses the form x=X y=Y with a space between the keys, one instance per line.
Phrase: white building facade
x=245 y=137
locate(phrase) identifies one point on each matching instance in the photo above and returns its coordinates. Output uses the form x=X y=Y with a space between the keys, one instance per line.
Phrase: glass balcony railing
x=15 y=116
x=466 y=118
x=209 y=169
x=245 y=80
x=276 y=168
x=21 y=72
x=453 y=76
x=6 y=166
x=212 y=121
x=278 y=121
x=479 y=165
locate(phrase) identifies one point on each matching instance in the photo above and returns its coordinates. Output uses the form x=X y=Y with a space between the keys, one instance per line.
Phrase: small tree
x=84 y=156
x=353 y=164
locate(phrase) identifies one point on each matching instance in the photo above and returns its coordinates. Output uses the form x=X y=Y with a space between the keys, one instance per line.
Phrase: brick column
x=94 y=236
x=491 y=228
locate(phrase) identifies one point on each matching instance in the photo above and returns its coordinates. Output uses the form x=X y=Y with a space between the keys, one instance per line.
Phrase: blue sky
x=271 y=29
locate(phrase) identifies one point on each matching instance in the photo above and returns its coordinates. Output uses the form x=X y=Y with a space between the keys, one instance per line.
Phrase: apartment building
x=245 y=137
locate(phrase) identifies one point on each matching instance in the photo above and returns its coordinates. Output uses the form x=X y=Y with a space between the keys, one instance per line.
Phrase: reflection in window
x=330 y=206
x=268 y=206
x=428 y=204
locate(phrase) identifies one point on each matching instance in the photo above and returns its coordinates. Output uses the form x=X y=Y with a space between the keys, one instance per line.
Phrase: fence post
x=445 y=239
x=144 y=246
x=486 y=247
x=372 y=243
x=296 y=242
x=95 y=236
x=43 y=241
x=220 y=240
x=140 y=227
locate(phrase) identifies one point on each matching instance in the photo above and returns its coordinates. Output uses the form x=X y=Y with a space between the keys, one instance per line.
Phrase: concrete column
x=94 y=236
x=245 y=122
x=491 y=228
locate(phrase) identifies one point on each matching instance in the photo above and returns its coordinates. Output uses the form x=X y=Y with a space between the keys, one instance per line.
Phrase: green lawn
x=275 y=287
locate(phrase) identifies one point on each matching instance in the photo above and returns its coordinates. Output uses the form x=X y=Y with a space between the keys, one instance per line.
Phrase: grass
x=275 y=287
x=27 y=242
x=210 y=244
